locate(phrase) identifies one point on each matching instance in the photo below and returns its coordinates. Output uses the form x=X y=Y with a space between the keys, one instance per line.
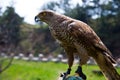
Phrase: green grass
x=28 y=70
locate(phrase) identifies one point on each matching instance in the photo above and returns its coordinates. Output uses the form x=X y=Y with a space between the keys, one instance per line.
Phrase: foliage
x=79 y=13
x=10 y=27
x=59 y=5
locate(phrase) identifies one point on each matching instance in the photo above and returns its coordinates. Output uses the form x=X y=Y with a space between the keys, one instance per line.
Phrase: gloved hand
x=73 y=78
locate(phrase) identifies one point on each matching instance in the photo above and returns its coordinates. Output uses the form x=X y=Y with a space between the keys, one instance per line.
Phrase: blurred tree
x=79 y=13
x=10 y=27
x=0 y=11
x=60 y=5
x=43 y=42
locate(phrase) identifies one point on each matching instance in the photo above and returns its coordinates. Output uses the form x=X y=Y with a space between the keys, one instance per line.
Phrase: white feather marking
x=101 y=42
x=58 y=41
x=80 y=30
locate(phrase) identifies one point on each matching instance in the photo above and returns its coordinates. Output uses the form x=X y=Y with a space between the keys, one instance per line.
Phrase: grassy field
x=28 y=70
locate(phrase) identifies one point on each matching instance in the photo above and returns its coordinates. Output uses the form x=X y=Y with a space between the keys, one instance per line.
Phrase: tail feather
x=105 y=64
x=110 y=58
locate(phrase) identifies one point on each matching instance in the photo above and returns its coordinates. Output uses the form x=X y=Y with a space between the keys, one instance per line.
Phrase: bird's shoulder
x=78 y=28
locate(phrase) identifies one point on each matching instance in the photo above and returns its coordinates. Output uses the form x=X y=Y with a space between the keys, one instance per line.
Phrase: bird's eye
x=44 y=14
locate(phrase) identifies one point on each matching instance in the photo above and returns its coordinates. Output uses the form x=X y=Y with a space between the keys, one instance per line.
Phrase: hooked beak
x=37 y=19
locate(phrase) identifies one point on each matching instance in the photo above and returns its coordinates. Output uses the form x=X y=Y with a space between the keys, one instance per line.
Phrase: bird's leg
x=70 y=63
x=68 y=71
x=80 y=73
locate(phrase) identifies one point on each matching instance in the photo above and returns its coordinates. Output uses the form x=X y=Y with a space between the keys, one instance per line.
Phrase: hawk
x=76 y=37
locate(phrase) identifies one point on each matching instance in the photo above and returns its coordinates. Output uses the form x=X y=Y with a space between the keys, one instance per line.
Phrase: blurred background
x=22 y=37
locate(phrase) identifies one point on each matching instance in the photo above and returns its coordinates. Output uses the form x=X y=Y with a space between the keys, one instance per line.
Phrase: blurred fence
x=42 y=58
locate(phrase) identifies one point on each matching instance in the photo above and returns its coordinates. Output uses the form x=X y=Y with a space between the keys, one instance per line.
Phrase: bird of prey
x=76 y=37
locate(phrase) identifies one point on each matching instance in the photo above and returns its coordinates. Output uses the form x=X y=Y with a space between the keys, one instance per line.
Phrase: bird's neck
x=57 y=19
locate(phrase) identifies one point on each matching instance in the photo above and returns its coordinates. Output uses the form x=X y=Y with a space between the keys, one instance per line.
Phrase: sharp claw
x=63 y=75
x=68 y=71
x=81 y=74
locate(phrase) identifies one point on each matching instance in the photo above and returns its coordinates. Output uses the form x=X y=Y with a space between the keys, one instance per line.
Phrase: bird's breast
x=62 y=36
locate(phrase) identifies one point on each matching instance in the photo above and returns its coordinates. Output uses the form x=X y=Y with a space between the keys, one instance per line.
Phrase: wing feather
x=83 y=33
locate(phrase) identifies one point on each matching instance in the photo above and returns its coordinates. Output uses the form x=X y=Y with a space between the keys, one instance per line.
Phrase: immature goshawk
x=76 y=37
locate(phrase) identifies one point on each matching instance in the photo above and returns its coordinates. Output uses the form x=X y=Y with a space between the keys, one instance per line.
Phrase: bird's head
x=44 y=16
